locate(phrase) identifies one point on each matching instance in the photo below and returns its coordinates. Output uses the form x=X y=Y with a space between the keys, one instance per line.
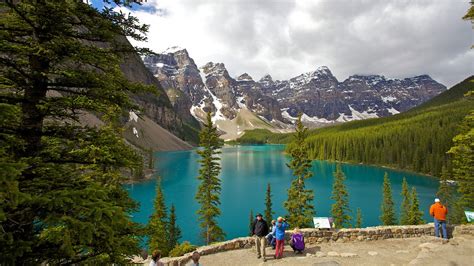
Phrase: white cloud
x=285 y=38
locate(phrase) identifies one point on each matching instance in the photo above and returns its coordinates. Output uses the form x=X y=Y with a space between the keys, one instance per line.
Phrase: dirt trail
x=409 y=251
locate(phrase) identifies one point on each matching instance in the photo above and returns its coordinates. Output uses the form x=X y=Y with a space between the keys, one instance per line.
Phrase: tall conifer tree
x=299 y=205
x=268 y=204
x=251 y=220
x=340 y=209
x=174 y=232
x=359 y=218
x=61 y=192
x=405 y=208
x=157 y=229
x=415 y=216
x=462 y=154
x=387 y=209
x=208 y=194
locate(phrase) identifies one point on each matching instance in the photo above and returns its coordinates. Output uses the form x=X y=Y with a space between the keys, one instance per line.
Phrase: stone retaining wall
x=314 y=236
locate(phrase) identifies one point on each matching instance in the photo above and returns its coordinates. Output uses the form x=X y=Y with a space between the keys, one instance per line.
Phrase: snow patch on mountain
x=393 y=111
x=387 y=99
x=356 y=115
x=132 y=116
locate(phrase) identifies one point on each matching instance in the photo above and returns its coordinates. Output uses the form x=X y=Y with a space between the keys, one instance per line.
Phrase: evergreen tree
x=268 y=204
x=300 y=200
x=174 y=232
x=462 y=154
x=447 y=194
x=208 y=193
x=406 y=203
x=415 y=215
x=157 y=228
x=388 y=210
x=60 y=181
x=340 y=209
x=251 y=220
x=359 y=218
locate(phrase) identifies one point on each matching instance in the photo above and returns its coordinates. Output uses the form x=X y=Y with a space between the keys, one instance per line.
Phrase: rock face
x=159 y=107
x=321 y=98
x=209 y=88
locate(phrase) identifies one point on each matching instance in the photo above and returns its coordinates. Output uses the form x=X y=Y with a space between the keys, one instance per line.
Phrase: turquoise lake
x=246 y=171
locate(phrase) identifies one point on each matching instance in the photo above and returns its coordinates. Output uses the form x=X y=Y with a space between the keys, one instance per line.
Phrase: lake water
x=246 y=171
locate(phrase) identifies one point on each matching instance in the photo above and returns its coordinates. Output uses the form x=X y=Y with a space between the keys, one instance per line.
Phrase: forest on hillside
x=416 y=140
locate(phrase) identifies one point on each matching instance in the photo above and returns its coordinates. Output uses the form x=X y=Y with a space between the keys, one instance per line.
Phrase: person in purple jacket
x=297 y=241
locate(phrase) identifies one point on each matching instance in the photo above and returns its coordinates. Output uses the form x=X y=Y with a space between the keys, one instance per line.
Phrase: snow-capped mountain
x=318 y=94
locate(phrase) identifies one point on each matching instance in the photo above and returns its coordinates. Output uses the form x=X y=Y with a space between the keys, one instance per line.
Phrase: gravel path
x=410 y=251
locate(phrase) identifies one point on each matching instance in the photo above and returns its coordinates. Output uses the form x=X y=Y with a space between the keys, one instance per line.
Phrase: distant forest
x=416 y=140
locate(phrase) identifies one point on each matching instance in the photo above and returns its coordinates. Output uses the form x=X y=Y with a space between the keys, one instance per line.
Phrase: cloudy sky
x=285 y=38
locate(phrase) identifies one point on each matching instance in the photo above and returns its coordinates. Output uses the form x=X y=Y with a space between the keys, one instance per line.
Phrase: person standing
x=280 y=226
x=439 y=212
x=271 y=236
x=260 y=231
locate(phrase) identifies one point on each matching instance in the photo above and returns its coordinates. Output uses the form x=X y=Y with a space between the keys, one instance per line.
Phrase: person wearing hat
x=260 y=231
x=439 y=212
x=280 y=228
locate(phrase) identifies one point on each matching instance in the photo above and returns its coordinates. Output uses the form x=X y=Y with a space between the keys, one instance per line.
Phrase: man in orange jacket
x=439 y=212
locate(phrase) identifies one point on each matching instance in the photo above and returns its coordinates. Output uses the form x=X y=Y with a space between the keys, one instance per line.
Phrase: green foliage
x=415 y=216
x=462 y=154
x=359 y=218
x=447 y=194
x=299 y=204
x=208 y=193
x=61 y=192
x=251 y=220
x=182 y=249
x=174 y=232
x=263 y=136
x=405 y=208
x=387 y=209
x=340 y=209
x=158 y=224
x=416 y=140
x=268 y=204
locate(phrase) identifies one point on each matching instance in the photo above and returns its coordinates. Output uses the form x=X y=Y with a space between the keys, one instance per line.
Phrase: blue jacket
x=280 y=230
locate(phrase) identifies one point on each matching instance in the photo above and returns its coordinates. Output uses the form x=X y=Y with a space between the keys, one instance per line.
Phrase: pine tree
x=359 y=218
x=388 y=210
x=300 y=200
x=251 y=220
x=405 y=208
x=462 y=154
x=447 y=194
x=174 y=232
x=208 y=193
x=340 y=209
x=415 y=216
x=268 y=204
x=61 y=192
x=157 y=228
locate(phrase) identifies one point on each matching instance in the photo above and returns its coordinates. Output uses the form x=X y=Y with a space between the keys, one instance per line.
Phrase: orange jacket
x=438 y=211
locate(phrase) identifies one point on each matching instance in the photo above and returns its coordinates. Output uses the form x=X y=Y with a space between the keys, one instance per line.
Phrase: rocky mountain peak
x=266 y=79
x=216 y=69
x=174 y=50
x=244 y=77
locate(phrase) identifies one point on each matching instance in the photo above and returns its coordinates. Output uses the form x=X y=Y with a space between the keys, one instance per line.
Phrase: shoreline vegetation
x=416 y=141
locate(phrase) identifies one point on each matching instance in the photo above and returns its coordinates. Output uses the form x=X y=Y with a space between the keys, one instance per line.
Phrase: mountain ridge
x=318 y=95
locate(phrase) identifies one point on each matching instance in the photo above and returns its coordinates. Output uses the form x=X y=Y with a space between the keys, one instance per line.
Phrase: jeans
x=279 y=248
x=271 y=240
x=443 y=226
